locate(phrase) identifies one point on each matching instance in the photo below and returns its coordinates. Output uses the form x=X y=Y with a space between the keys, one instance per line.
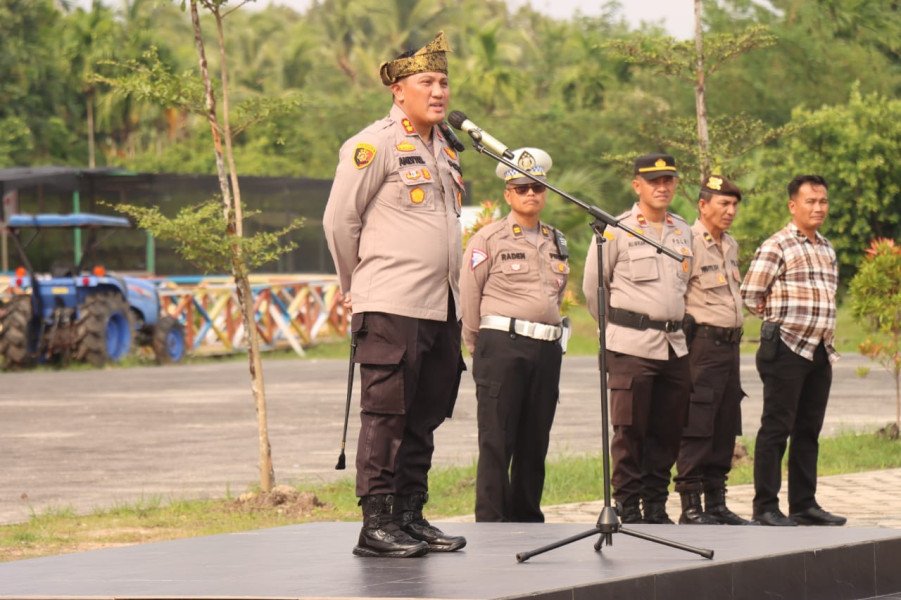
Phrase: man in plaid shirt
x=791 y=285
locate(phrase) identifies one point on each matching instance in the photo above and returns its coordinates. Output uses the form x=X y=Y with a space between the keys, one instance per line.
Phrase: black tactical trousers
x=409 y=375
x=648 y=408
x=795 y=394
x=517 y=386
x=714 y=416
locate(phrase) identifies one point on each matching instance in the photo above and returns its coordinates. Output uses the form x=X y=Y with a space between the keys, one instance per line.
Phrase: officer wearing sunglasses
x=512 y=283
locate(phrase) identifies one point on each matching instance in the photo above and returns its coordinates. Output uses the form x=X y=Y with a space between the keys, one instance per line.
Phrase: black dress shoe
x=817 y=516
x=774 y=518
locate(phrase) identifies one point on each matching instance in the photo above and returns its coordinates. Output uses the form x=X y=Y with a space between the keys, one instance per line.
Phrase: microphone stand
x=608 y=521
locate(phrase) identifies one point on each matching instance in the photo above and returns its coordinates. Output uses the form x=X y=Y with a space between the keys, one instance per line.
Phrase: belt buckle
x=670 y=326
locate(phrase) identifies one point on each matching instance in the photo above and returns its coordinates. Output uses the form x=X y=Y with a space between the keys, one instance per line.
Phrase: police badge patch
x=363 y=155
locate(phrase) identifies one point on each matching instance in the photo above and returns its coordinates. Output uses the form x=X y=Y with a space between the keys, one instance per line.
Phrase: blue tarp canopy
x=87 y=220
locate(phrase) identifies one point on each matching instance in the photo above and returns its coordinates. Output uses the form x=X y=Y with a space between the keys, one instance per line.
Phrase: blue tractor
x=73 y=313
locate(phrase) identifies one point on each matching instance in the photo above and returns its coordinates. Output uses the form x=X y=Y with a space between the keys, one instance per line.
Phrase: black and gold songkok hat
x=430 y=57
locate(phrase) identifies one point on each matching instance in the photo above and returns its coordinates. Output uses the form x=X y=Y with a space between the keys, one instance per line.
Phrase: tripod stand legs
x=607 y=525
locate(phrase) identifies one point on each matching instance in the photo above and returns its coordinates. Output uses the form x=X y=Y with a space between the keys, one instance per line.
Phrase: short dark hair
x=795 y=184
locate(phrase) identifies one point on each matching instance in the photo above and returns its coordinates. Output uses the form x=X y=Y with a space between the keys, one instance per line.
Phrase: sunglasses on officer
x=523 y=189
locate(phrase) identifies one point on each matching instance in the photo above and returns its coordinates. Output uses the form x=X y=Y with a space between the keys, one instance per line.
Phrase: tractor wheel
x=103 y=332
x=169 y=341
x=16 y=344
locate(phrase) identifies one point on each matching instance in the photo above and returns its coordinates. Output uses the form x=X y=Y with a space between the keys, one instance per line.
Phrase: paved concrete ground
x=92 y=439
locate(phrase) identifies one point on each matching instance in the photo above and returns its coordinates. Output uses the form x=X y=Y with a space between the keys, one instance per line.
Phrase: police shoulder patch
x=363 y=155
x=478 y=257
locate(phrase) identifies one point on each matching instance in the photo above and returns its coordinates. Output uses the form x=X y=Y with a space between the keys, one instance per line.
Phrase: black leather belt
x=634 y=320
x=730 y=335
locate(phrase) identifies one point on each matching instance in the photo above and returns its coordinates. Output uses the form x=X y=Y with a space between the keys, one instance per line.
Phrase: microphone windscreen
x=456 y=118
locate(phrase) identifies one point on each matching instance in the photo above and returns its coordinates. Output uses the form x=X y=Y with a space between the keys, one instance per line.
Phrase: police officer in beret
x=647 y=355
x=713 y=321
x=393 y=229
x=513 y=280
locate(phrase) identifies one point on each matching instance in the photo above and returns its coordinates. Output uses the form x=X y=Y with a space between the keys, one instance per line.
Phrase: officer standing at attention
x=647 y=357
x=791 y=285
x=713 y=322
x=393 y=229
x=513 y=280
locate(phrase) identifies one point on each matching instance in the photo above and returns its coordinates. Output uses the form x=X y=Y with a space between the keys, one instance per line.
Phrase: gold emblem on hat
x=526 y=161
x=660 y=164
x=715 y=183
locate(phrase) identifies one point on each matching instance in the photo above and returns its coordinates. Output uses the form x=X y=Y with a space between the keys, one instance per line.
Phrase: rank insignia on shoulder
x=363 y=155
x=405 y=147
x=417 y=195
x=407 y=125
x=478 y=257
x=517 y=229
x=451 y=153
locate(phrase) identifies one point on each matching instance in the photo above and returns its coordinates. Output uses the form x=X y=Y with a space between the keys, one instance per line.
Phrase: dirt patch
x=283 y=500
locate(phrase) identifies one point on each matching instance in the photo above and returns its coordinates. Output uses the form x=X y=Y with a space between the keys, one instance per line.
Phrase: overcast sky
x=676 y=15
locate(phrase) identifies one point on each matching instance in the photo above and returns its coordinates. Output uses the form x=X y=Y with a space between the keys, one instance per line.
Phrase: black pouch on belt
x=769 y=340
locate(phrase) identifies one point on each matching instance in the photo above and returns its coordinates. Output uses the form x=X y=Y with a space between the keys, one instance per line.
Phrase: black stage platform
x=314 y=561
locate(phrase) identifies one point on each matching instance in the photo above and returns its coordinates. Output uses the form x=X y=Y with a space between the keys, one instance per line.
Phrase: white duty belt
x=537 y=331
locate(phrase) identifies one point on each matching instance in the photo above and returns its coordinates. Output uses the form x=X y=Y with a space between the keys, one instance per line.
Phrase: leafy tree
x=876 y=304
x=854 y=146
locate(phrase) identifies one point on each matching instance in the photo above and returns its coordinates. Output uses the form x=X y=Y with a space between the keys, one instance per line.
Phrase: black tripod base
x=608 y=524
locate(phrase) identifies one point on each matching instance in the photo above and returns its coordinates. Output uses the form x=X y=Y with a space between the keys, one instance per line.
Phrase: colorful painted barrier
x=292 y=311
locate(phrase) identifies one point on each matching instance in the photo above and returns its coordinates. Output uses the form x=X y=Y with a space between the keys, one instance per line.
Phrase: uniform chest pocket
x=417 y=191
x=514 y=267
x=559 y=267
x=643 y=263
x=712 y=280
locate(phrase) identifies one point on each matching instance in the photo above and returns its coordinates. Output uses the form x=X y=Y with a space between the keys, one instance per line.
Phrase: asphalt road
x=101 y=438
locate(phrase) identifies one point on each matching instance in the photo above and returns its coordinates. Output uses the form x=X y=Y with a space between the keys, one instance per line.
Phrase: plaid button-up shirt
x=797 y=280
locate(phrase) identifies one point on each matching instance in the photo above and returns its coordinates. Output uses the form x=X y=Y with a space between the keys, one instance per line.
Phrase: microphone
x=461 y=122
x=451 y=137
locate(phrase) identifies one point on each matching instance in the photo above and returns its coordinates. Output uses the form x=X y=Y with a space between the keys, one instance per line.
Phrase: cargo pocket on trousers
x=700 y=414
x=621 y=408
x=381 y=377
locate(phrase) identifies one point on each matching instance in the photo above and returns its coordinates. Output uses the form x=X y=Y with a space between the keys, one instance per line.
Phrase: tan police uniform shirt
x=506 y=275
x=638 y=278
x=392 y=221
x=714 y=296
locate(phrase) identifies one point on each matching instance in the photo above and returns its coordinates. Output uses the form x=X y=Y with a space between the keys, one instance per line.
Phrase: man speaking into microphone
x=393 y=228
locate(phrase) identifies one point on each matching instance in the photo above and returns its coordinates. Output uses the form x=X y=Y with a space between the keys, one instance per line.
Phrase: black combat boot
x=693 y=512
x=715 y=504
x=380 y=535
x=655 y=512
x=408 y=514
x=629 y=511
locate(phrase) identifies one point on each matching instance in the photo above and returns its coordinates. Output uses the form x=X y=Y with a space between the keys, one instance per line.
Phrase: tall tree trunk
x=239 y=271
x=92 y=162
x=701 y=99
